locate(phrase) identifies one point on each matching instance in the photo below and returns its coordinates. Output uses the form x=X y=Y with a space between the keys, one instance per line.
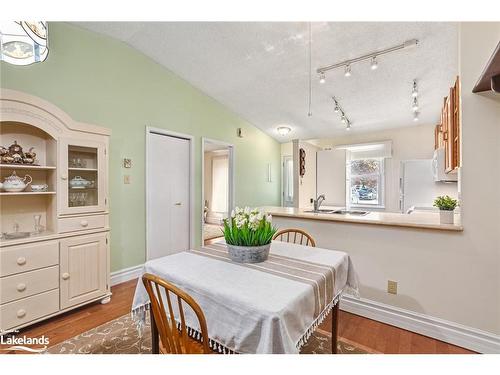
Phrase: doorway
x=217 y=187
x=169 y=193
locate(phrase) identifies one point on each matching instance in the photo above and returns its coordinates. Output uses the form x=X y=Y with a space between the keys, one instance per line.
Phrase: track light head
x=414 y=105
x=415 y=116
x=374 y=63
x=348 y=126
x=322 y=78
x=343 y=119
x=347 y=71
x=414 y=91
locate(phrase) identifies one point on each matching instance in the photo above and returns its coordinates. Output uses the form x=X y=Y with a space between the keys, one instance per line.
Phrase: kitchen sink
x=350 y=212
x=321 y=211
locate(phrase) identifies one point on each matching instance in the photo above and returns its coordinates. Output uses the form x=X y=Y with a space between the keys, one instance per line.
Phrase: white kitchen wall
x=412 y=142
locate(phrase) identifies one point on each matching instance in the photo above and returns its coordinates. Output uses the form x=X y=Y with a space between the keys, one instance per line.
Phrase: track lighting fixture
x=373 y=56
x=347 y=71
x=414 y=91
x=343 y=117
x=415 y=105
x=322 y=78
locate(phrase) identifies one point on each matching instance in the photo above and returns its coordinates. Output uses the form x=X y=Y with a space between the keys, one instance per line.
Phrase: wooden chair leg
x=155 y=342
x=335 y=327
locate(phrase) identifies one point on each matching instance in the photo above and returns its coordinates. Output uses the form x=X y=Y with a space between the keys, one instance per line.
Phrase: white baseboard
x=125 y=274
x=453 y=333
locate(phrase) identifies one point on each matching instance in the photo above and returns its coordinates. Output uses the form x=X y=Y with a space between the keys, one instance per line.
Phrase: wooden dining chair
x=173 y=339
x=297 y=236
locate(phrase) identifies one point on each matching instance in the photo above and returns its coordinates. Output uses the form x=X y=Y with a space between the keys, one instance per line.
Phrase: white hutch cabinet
x=54 y=248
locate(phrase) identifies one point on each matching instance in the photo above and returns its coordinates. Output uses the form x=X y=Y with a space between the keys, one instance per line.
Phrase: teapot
x=15 y=184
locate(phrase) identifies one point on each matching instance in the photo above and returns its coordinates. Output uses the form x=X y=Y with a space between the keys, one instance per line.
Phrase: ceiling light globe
x=283 y=130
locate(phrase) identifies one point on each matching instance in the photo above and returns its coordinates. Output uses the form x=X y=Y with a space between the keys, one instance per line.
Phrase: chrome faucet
x=317 y=202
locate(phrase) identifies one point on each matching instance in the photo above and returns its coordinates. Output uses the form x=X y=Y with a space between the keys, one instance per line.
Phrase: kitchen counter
x=426 y=220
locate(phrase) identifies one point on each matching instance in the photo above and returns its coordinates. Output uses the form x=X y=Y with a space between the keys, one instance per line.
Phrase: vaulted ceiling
x=260 y=70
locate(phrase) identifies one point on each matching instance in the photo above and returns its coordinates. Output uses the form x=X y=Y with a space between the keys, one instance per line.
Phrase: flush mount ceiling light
x=343 y=117
x=23 y=42
x=283 y=130
x=369 y=56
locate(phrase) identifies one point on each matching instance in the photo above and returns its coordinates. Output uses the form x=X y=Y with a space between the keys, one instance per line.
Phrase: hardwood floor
x=373 y=335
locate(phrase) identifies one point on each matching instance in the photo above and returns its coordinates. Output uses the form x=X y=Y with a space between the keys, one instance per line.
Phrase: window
x=365 y=182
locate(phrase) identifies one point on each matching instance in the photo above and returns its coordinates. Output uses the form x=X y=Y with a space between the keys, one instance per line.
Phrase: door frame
x=231 y=179
x=190 y=138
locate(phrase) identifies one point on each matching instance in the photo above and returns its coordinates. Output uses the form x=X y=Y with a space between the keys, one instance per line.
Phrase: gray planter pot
x=248 y=254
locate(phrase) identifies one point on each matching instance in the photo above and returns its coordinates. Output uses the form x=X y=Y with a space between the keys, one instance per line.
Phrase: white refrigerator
x=417 y=186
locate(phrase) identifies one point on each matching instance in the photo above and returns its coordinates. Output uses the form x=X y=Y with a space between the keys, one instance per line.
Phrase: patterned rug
x=120 y=336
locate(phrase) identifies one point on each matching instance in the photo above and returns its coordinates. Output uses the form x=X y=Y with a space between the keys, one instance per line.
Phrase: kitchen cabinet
x=447 y=132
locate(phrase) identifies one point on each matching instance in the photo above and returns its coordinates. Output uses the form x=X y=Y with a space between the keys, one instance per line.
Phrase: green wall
x=99 y=80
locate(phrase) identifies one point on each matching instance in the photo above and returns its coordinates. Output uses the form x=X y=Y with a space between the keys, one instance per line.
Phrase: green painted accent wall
x=100 y=80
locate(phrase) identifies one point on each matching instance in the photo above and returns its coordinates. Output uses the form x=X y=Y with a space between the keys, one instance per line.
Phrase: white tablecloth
x=248 y=310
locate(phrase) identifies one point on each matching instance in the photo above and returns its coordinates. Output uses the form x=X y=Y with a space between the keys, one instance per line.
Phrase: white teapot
x=15 y=184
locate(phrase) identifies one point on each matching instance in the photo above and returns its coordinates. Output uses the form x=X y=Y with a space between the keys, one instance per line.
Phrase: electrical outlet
x=126 y=179
x=392 y=287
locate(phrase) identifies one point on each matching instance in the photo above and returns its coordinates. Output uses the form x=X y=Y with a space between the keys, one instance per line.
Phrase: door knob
x=178 y=203
x=65 y=276
x=21 y=287
x=21 y=261
x=21 y=313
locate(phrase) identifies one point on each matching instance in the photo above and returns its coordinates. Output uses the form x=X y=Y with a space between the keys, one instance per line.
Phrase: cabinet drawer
x=73 y=224
x=28 y=257
x=28 y=309
x=27 y=284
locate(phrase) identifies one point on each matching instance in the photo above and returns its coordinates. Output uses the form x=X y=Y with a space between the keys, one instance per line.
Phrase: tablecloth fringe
x=139 y=317
x=321 y=317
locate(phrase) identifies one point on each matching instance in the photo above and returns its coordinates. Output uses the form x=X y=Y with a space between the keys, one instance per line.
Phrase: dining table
x=269 y=307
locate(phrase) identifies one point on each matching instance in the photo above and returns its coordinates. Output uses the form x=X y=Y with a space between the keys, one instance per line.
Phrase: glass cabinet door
x=83 y=171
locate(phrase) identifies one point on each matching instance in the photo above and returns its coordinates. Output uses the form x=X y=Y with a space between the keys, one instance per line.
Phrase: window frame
x=381 y=184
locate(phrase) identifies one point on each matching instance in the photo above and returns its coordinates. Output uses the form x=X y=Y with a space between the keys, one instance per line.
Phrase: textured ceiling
x=260 y=70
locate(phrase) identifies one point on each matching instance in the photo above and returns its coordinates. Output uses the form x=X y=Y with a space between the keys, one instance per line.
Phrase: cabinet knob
x=65 y=276
x=84 y=223
x=21 y=313
x=21 y=261
x=64 y=177
x=21 y=287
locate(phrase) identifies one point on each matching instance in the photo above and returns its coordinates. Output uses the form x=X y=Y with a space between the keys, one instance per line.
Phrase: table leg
x=335 y=327
x=155 y=343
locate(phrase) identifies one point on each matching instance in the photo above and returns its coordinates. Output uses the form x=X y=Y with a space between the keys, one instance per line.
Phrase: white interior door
x=168 y=193
x=331 y=176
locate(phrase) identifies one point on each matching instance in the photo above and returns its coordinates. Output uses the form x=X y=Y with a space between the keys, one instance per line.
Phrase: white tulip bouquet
x=248 y=227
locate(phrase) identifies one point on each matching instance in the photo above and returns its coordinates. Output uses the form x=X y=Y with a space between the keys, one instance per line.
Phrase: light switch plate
x=126 y=179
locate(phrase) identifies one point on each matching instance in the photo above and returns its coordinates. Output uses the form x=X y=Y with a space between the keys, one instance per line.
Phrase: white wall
x=453 y=276
x=413 y=142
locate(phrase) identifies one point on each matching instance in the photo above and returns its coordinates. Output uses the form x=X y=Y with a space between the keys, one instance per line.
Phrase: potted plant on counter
x=248 y=234
x=446 y=205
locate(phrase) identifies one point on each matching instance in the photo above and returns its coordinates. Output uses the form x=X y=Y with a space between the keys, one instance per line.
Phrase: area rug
x=120 y=336
x=211 y=231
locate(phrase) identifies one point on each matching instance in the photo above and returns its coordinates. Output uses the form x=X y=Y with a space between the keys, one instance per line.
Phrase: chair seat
x=195 y=347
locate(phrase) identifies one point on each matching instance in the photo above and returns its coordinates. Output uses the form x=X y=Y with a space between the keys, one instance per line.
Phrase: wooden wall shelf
x=26 y=166
x=490 y=77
